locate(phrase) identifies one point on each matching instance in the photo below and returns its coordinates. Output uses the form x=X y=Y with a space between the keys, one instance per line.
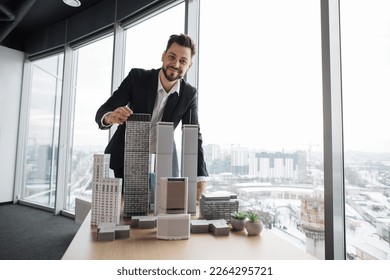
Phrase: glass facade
x=366 y=68
x=43 y=131
x=260 y=108
x=93 y=87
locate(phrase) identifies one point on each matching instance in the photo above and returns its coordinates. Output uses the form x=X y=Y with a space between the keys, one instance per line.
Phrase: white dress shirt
x=159 y=105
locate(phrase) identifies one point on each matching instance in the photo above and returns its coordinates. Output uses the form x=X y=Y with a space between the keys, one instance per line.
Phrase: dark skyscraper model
x=136 y=165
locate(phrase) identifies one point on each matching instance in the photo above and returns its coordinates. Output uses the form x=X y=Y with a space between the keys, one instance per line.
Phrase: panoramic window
x=260 y=102
x=365 y=58
x=43 y=129
x=93 y=88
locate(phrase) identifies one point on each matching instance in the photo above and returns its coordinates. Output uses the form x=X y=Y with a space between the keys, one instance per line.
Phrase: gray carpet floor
x=32 y=234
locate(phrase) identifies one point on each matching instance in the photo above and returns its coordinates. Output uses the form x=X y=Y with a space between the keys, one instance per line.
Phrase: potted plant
x=253 y=225
x=237 y=220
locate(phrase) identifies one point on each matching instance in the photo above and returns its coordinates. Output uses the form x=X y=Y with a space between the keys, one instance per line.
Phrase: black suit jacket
x=138 y=90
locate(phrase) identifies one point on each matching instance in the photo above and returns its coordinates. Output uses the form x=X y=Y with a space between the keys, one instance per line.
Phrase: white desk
x=143 y=245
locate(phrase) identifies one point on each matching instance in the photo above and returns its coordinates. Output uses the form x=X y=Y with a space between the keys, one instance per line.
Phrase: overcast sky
x=260 y=74
x=260 y=71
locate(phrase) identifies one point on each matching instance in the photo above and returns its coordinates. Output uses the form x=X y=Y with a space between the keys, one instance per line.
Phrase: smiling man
x=164 y=95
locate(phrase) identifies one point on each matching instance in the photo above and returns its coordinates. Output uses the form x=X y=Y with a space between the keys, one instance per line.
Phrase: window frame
x=334 y=190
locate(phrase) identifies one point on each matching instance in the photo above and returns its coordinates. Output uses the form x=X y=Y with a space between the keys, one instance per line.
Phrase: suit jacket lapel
x=170 y=106
x=151 y=91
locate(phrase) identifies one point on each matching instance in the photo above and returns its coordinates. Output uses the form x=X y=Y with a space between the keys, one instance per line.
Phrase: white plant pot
x=253 y=228
x=237 y=224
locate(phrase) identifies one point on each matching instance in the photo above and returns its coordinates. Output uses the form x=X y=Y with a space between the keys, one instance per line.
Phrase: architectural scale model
x=111 y=231
x=173 y=195
x=101 y=166
x=218 y=227
x=189 y=162
x=82 y=209
x=214 y=206
x=106 y=192
x=136 y=165
x=173 y=226
x=144 y=221
x=164 y=151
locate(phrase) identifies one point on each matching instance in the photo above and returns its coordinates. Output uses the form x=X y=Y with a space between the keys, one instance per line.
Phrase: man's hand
x=201 y=189
x=118 y=116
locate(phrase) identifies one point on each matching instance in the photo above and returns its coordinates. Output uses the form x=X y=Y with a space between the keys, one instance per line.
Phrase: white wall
x=11 y=72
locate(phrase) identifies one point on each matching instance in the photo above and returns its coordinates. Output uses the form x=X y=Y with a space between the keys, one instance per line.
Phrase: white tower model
x=173 y=195
x=164 y=150
x=189 y=162
x=101 y=166
x=136 y=165
x=106 y=192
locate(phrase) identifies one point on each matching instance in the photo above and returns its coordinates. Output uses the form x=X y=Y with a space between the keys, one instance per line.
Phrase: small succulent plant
x=253 y=217
x=239 y=215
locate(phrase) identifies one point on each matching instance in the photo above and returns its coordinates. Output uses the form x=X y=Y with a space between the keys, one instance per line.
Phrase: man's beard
x=171 y=78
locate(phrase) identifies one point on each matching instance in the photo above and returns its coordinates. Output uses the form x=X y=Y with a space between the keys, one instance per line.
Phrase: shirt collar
x=175 y=88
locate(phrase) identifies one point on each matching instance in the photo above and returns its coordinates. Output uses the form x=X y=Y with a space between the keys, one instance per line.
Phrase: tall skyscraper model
x=164 y=151
x=189 y=162
x=106 y=192
x=136 y=165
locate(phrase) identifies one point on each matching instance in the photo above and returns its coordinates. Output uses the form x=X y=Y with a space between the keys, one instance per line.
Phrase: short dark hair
x=182 y=40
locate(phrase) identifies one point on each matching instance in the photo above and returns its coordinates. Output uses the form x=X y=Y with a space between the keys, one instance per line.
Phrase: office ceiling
x=25 y=16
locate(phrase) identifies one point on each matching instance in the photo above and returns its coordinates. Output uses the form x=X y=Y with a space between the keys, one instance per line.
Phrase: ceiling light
x=72 y=3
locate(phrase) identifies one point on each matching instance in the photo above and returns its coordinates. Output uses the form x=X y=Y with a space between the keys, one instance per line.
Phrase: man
x=164 y=95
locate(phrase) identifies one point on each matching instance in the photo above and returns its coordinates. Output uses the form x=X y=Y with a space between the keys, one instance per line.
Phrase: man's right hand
x=118 y=116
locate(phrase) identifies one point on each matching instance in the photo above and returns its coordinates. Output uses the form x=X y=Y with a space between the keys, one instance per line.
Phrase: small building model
x=144 y=221
x=218 y=227
x=111 y=231
x=82 y=209
x=173 y=195
x=215 y=206
x=173 y=226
